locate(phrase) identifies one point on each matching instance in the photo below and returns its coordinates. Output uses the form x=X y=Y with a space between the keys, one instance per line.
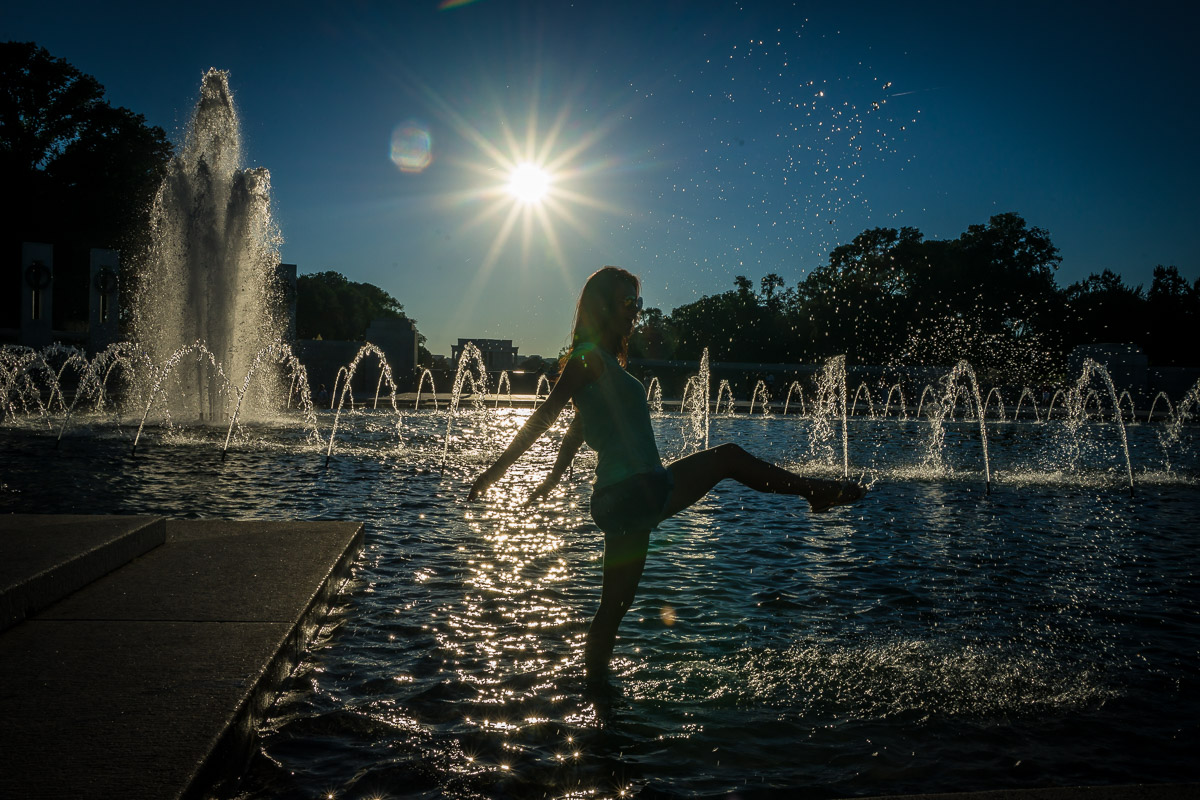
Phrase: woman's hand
x=482 y=483
x=544 y=488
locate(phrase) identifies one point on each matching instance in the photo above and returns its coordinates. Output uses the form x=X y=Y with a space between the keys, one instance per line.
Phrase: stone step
x=151 y=681
x=45 y=557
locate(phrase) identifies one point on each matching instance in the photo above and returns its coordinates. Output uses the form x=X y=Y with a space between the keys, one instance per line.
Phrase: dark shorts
x=634 y=505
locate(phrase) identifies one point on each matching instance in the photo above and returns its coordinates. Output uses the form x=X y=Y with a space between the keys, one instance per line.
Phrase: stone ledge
x=44 y=558
x=151 y=681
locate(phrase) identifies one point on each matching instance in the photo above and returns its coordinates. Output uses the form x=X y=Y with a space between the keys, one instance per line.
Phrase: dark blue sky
x=694 y=141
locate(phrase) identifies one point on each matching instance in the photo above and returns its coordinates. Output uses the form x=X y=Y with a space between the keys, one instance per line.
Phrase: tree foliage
x=1161 y=321
x=76 y=170
x=890 y=296
x=330 y=306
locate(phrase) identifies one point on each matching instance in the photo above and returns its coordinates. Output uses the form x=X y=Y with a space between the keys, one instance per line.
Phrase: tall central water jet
x=211 y=270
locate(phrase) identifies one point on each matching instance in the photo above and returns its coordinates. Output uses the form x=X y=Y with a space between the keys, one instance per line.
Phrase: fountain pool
x=931 y=638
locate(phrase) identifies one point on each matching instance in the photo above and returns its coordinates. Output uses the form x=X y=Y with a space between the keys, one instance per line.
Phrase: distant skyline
x=688 y=141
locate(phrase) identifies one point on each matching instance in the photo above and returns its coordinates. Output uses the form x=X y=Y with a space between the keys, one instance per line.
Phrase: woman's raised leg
x=624 y=558
x=697 y=474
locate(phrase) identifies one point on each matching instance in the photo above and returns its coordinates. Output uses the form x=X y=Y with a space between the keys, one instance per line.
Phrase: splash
x=210 y=273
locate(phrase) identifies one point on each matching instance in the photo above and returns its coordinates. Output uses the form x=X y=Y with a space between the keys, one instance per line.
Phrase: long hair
x=594 y=312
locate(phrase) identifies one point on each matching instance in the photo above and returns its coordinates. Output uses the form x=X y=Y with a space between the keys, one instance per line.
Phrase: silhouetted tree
x=991 y=297
x=890 y=296
x=73 y=165
x=654 y=337
x=1173 y=309
x=770 y=284
x=859 y=302
x=715 y=322
x=1104 y=309
x=1011 y=269
x=330 y=306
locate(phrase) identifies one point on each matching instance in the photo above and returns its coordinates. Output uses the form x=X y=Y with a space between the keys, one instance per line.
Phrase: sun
x=533 y=186
x=529 y=183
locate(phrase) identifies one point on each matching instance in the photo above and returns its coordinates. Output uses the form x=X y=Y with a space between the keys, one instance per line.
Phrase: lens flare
x=412 y=147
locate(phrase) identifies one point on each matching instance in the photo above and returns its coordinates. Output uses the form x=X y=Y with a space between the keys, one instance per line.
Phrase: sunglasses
x=631 y=303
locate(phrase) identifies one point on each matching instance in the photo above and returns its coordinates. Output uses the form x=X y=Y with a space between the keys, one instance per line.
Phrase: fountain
x=794 y=387
x=1026 y=392
x=863 y=389
x=1059 y=394
x=943 y=412
x=830 y=407
x=887 y=406
x=210 y=274
x=1127 y=399
x=33 y=390
x=32 y=386
x=995 y=392
x=470 y=367
x=503 y=383
x=385 y=373
x=1154 y=406
x=432 y=389
x=1079 y=412
x=1180 y=415
x=654 y=396
x=760 y=391
x=724 y=390
x=342 y=381
x=543 y=383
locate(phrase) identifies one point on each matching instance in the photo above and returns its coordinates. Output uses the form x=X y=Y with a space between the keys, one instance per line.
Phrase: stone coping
x=151 y=681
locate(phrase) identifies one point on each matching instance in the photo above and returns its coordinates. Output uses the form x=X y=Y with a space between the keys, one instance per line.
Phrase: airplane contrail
x=915 y=91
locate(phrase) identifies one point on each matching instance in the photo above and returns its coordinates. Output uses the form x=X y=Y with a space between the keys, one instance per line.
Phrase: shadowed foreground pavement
x=138 y=655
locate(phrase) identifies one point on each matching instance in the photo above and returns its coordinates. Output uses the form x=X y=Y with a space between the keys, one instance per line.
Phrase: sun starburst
x=543 y=188
x=529 y=183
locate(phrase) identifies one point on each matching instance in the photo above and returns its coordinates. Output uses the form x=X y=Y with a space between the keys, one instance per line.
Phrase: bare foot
x=834 y=493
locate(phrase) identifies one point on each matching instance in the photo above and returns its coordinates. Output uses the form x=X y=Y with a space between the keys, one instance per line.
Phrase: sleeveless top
x=616 y=421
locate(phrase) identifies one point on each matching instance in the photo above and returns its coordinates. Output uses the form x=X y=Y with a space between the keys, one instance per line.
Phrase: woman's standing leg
x=697 y=474
x=624 y=558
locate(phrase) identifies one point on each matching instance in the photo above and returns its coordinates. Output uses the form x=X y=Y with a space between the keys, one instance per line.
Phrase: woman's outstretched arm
x=576 y=374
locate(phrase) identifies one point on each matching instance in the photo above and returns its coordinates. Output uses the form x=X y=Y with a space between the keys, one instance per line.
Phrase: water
x=931 y=638
x=210 y=275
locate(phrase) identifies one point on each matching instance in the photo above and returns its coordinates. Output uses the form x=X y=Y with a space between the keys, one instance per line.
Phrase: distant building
x=498 y=354
x=325 y=358
x=397 y=338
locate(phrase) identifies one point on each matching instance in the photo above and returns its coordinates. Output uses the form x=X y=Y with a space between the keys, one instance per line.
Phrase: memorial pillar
x=37 y=273
x=103 y=299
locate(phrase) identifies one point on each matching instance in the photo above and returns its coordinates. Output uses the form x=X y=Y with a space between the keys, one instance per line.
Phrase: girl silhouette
x=633 y=491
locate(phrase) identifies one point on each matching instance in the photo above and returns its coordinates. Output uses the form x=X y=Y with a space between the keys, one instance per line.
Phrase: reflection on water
x=932 y=638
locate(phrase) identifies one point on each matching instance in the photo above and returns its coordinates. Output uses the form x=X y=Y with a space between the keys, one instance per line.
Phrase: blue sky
x=692 y=141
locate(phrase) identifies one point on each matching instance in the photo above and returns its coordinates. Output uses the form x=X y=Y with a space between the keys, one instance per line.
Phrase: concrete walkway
x=138 y=655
